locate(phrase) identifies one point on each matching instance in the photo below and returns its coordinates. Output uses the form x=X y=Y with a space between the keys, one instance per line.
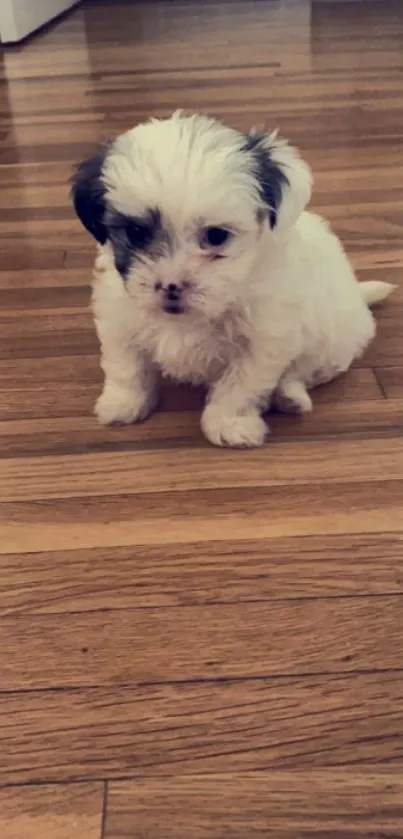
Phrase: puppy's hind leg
x=291 y=396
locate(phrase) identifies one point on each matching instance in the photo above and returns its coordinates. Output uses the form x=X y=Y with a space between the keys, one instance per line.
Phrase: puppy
x=209 y=271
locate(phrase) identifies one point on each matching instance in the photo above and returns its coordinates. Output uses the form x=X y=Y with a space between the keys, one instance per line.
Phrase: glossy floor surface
x=194 y=642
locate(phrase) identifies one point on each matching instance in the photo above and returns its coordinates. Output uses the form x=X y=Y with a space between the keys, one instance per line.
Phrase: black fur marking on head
x=133 y=237
x=88 y=193
x=270 y=177
x=128 y=236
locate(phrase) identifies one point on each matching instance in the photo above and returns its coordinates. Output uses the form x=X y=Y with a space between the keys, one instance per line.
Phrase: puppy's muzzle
x=171 y=297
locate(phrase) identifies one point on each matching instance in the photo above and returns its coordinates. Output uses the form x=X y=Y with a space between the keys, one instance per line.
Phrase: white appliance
x=18 y=18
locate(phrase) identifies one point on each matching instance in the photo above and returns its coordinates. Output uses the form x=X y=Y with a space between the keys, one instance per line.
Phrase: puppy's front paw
x=242 y=432
x=118 y=405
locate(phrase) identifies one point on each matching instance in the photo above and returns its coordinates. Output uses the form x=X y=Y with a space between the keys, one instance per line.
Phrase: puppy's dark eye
x=215 y=237
x=139 y=235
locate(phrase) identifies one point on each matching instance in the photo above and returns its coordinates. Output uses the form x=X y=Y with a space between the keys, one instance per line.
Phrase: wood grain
x=391 y=380
x=69 y=388
x=62 y=812
x=142 y=472
x=228 y=572
x=161 y=519
x=245 y=725
x=281 y=804
x=225 y=629
x=178 y=424
x=203 y=642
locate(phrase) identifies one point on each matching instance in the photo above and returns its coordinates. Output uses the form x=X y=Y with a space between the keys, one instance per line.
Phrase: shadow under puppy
x=209 y=271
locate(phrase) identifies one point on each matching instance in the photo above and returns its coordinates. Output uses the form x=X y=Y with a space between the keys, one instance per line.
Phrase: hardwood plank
x=81 y=258
x=198 y=642
x=178 y=421
x=49 y=812
x=141 y=471
x=41 y=174
x=40 y=400
x=44 y=339
x=360 y=383
x=72 y=299
x=380 y=258
x=357 y=384
x=74 y=434
x=206 y=572
x=190 y=517
x=67 y=384
x=19 y=258
x=387 y=352
x=337 y=720
x=218 y=95
x=328 y=804
x=391 y=380
x=43 y=278
x=49 y=323
x=44 y=193
x=355 y=418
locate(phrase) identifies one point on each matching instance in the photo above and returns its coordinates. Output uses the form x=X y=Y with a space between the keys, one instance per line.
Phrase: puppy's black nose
x=173 y=292
x=172 y=299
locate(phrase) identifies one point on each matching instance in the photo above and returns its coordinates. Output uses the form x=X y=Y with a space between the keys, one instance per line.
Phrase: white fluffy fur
x=280 y=313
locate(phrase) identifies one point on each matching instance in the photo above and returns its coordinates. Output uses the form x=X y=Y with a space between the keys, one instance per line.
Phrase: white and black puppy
x=209 y=271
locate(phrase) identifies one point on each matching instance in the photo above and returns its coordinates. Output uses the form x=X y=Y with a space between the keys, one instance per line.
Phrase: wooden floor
x=193 y=642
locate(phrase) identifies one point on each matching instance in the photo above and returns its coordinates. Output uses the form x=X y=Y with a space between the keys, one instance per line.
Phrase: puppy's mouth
x=173 y=308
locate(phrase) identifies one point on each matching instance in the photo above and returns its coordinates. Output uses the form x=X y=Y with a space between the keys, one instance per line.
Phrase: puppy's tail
x=373 y=291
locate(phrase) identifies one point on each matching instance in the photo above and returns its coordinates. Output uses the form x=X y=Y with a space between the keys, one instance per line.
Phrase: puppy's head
x=185 y=204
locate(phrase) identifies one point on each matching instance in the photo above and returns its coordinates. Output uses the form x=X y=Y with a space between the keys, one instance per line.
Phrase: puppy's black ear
x=284 y=180
x=270 y=177
x=88 y=194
